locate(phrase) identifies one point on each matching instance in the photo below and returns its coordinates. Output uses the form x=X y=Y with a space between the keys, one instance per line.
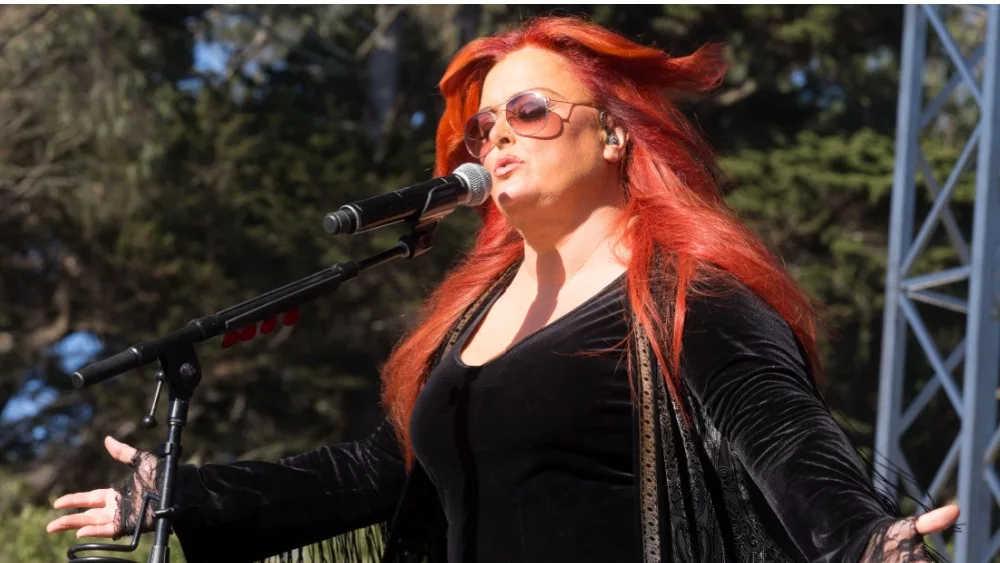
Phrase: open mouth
x=506 y=165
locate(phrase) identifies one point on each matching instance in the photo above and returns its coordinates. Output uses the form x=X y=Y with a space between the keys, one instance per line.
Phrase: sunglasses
x=526 y=115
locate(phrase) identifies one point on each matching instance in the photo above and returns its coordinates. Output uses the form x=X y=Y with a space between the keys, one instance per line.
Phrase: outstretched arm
x=249 y=510
x=744 y=365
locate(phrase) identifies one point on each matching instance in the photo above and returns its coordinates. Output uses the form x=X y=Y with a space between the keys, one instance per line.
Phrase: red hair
x=670 y=183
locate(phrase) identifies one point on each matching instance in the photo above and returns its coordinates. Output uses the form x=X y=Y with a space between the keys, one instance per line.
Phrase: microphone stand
x=181 y=370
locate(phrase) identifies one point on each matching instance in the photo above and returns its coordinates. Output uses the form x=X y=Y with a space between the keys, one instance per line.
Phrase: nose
x=501 y=134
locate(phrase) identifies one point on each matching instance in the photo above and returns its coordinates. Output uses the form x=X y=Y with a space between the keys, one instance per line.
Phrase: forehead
x=527 y=69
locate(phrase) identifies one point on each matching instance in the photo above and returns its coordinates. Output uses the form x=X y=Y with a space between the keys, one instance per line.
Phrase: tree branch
x=24 y=27
x=47 y=335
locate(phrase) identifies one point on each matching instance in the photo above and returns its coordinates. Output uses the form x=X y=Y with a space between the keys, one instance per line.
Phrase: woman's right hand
x=104 y=517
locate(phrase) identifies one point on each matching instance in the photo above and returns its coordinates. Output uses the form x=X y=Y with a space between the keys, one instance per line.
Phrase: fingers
x=102 y=531
x=937 y=520
x=121 y=452
x=93 y=517
x=91 y=499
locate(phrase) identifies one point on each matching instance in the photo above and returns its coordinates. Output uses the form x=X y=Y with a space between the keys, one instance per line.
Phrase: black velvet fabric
x=531 y=453
x=780 y=475
x=759 y=471
x=250 y=510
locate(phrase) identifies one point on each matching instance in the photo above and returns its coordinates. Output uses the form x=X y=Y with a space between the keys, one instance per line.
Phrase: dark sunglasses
x=526 y=115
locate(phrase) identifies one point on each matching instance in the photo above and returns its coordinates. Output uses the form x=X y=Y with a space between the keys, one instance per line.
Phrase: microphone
x=469 y=184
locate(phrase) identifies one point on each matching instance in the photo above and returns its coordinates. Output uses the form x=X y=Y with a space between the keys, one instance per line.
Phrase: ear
x=614 y=136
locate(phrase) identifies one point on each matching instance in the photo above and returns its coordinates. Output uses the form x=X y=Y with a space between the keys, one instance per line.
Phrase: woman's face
x=561 y=166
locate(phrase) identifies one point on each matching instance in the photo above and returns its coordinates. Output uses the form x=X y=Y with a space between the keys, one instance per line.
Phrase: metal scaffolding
x=973 y=453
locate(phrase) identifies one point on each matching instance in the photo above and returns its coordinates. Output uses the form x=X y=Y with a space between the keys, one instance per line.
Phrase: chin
x=510 y=196
x=520 y=207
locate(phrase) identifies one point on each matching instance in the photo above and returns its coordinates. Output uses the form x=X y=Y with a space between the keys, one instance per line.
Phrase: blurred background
x=160 y=163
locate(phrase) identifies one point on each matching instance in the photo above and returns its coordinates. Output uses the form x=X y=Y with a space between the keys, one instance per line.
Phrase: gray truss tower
x=971 y=391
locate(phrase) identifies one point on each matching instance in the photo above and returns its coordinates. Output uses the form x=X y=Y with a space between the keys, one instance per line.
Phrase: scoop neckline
x=474 y=325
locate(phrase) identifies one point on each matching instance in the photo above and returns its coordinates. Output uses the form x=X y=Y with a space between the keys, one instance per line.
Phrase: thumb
x=937 y=520
x=119 y=451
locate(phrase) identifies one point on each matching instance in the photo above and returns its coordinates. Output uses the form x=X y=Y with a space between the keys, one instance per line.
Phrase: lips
x=506 y=165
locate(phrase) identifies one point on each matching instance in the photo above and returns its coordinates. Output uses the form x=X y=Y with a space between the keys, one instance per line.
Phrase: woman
x=618 y=371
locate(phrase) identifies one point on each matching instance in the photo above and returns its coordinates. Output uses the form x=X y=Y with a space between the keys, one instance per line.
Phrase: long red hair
x=685 y=230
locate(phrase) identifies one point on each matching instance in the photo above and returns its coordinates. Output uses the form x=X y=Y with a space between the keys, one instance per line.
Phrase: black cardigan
x=760 y=471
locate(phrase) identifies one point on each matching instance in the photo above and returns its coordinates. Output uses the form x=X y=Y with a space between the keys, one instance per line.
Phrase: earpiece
x=611 y=138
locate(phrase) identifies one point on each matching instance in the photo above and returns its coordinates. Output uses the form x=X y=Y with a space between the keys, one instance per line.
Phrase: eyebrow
x=534 y=89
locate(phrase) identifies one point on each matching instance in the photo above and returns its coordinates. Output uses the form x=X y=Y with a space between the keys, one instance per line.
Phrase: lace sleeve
x=898 y=542
x=147 y=477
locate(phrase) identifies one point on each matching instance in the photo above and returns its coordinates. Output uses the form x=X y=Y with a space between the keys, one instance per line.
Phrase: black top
x=531 y=453
x=538 y=461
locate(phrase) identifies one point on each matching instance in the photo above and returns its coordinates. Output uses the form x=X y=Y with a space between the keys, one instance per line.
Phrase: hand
x=102 y=520
x=937 y=520
x=902 y=541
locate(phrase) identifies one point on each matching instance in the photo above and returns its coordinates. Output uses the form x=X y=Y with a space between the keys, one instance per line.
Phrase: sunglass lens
x=527 y=113
x=477 y=133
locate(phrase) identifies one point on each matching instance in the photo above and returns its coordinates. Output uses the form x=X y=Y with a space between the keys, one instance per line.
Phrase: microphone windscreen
x=478 y=181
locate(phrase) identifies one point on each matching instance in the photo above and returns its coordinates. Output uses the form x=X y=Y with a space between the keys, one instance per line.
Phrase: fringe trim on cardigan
x=364 y=545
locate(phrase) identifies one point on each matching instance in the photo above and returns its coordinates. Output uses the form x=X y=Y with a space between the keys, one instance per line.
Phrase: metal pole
x=982 y=362
x=888 y=427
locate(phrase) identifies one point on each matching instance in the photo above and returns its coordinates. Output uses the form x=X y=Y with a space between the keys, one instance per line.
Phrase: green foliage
x=23 y=540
